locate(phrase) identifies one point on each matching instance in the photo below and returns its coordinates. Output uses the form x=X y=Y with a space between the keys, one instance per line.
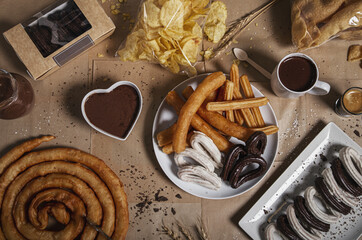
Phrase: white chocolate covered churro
x=202 y=143
x=338 y=192
x=200 y=176
x=197 y=156
x=310 y=203
x=207 y=156
x=298 y=228
x=334 y=194
x=271 y=230
x=352 y=161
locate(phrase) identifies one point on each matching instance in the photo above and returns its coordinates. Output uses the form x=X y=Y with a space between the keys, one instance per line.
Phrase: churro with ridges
x=248 y=92
x=229 y=128
x=246 y=112
x=207 y=86
x=168 y=149
x=220 y=96
x=174 y=100
x=237 y=104
x=228 y=95
x=165 y=136
x=234 y=77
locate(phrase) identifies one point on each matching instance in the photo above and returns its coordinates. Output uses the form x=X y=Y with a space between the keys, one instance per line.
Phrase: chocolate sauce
x=297 y=73
x=16 y=98
x=6 y=89
x=114 y=112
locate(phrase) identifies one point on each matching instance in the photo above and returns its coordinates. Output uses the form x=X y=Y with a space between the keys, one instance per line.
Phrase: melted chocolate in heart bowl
x=114 y=112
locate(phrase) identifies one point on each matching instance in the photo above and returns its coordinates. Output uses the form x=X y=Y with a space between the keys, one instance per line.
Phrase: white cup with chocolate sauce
x=295 y=75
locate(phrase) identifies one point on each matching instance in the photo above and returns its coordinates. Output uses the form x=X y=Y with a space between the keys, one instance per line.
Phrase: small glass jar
x=16 y=95
x=350 y=103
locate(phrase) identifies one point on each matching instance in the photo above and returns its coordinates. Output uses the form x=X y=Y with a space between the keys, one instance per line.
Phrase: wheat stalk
x=237 y=26
x=201 y=230
x=170 y=233
x=184 y=231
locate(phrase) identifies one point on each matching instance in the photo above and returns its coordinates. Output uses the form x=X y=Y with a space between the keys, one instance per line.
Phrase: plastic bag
x=167 y=32
x=314 y=22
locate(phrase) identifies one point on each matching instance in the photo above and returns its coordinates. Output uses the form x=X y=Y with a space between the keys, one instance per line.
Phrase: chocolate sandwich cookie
x=329 y=198
x=256 y=143
x=344 y=180
x=284 y=227
x=234 y=155
x=307 y=217
x=237 y=178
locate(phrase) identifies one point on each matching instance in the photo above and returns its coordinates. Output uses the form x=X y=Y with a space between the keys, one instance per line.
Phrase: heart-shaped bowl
x=107 y=91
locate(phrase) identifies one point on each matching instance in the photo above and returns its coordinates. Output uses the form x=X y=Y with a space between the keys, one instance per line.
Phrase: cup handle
x=320 y=88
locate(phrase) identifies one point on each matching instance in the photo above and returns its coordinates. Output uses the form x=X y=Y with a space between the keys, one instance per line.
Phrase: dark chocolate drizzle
x=343 y=179
x=235 y=154
x=236 y=176
x=284 y=227
x=307 y=217
x=256 y=143
x=330 y=198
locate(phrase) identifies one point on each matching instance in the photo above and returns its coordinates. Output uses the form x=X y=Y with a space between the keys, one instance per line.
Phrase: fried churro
x=224 y=125
x=174 y=100
x=246 y=113
x=228 y=95
x=237 y=104
x=234 y=77
x=165 y=136
x=248 y=92
x=207 y=86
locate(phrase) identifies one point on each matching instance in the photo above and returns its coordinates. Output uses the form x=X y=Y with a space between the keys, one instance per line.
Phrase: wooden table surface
x=266 y=40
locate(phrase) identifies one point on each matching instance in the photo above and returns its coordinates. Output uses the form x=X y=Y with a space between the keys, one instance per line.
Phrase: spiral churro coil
x=66 y=182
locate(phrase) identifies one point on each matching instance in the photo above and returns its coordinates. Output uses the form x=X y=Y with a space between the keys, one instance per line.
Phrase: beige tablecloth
x=152 y=197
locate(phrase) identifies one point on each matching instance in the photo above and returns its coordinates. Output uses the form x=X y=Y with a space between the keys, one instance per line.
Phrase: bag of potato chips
x=315 y=22
x=168 y=32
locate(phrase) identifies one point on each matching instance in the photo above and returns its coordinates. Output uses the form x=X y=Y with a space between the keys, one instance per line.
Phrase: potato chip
x=217 y=13
x=171 y=14
x=199 y=4
x=165 y=56
x=194 y=29
x=215 y=32
x=131 y=50
x=153 y=45
x=167 y=33
x=215 y=26
x=176 y=34
x=161 y=2
x=172 y=64
x=190 y=49
x=187 y=9
x=151 y=14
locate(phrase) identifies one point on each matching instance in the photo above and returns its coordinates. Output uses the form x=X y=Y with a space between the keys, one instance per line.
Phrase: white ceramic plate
x=296 y=178
x=166 y=116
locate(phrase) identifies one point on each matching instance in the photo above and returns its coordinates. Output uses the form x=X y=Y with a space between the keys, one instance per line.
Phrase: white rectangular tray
x=296 y=178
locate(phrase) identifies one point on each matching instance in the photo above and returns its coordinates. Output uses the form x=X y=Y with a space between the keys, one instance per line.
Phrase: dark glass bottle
x=16 y=95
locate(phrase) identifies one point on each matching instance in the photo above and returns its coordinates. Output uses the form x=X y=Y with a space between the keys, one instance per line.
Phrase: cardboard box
x=56 y=35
